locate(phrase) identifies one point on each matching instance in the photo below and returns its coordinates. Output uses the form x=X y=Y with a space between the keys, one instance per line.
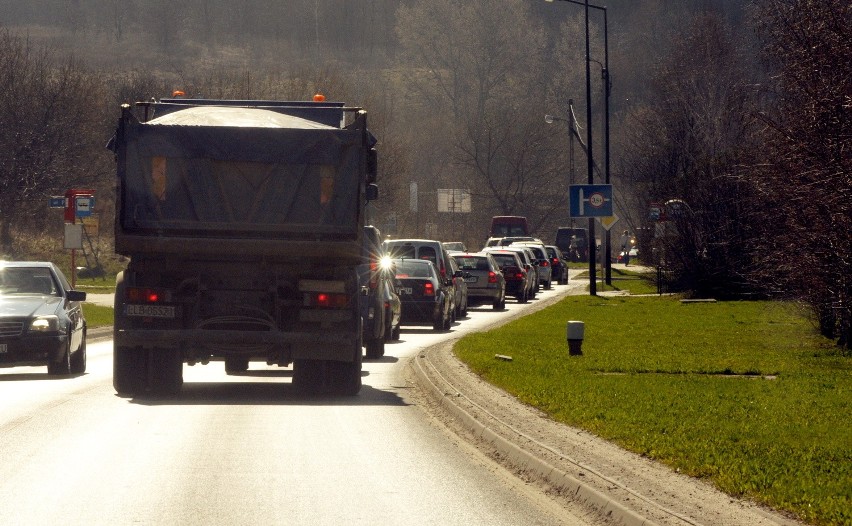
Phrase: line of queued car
x=436 y=282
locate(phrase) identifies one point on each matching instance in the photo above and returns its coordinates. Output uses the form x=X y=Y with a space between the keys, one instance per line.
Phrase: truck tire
x=308 y=376
x=375 y=348
x=128 y=370
x=236 y=364
x=345 y=377
x=167 y=371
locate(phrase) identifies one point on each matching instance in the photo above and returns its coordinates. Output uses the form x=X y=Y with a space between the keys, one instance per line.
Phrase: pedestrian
x=574 y=251
x=625 y=247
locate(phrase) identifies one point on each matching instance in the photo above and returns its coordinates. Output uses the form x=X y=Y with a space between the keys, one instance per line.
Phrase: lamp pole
x=606 y=79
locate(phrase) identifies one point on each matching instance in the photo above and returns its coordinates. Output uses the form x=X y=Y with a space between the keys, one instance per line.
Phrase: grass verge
x=98 y=316
x=744 y=394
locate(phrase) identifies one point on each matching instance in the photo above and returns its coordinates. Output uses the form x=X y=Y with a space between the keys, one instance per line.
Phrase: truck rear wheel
x=128 y=370
x=236 y=364
x=375 y=348
x=157 y=371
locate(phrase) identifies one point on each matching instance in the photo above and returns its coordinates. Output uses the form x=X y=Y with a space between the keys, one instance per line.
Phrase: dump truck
x=242 y=222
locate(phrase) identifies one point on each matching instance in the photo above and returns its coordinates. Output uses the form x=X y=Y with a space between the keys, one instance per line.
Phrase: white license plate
x=3 y=348
x=470 y=280
x=150 y=311
x=406 y=290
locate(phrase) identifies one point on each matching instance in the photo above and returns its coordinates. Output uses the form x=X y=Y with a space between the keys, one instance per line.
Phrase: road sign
x=84 y=205
x=607 y=222
x=57 y=202
x=590 y=200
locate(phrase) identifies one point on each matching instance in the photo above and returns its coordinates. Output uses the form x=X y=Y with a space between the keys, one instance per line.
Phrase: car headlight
x=45 y=324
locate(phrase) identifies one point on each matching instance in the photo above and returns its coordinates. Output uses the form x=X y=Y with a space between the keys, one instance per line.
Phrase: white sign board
x=73 y=236
x=456 y=200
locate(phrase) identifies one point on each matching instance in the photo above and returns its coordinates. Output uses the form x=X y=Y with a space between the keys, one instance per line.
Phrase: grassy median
x=745 y=394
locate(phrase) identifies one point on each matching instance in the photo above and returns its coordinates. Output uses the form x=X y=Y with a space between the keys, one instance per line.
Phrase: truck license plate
x=3 y=348
x=150 y=311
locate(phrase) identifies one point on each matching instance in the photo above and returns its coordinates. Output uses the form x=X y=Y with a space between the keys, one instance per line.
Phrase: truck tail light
x=144 y=295
x=325 y=300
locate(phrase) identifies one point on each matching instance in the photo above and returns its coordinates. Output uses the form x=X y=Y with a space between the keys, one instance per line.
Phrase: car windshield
x=26 y=281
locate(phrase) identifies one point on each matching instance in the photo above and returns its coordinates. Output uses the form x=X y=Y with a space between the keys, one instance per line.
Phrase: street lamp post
x=590 y=158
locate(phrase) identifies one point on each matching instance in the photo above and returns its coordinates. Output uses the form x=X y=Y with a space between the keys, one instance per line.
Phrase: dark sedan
x=424 y=296
x=41 y=318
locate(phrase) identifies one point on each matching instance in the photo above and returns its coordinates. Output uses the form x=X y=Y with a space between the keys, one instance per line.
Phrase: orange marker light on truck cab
x=319 y=97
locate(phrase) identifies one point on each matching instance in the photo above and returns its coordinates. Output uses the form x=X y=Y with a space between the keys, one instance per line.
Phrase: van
x=505 y=226
x=579 y=249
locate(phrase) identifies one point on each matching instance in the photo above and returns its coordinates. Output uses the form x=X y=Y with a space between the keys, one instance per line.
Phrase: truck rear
x=243 y=225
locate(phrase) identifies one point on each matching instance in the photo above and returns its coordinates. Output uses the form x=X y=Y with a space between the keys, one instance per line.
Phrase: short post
x=575 y=331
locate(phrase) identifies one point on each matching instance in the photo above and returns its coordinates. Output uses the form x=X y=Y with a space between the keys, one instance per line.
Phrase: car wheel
x=236 y=364
x=63 y=366
x=496 y=304
x=448 y=321
x=548 y=284
x=78 y=359
x=395 y=333
x=438 y=323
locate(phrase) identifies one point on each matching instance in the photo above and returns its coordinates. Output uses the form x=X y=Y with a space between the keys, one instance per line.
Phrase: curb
x=605 y=506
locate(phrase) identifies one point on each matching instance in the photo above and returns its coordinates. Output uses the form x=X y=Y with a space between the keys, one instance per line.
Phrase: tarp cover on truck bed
x=239 y=172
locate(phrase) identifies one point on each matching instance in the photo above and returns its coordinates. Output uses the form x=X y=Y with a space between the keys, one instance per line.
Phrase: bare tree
x=481 y=69
x=808 y=175
x=45 y=108
x=689 y=144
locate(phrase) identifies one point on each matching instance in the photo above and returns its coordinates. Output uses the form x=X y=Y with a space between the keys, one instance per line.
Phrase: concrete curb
x=517 y=456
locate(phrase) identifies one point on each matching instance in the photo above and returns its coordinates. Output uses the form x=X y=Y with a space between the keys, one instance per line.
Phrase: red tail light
x=492 y=277
x=142 y=294
x=428 y=289
x=554 y=261
x=326 y=300
x=544 y=263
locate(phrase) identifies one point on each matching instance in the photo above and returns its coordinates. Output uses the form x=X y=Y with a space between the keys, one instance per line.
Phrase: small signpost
x=590 y=200
x=76 y=203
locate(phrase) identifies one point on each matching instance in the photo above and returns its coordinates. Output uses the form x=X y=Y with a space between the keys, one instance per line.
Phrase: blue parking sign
x=590 y=200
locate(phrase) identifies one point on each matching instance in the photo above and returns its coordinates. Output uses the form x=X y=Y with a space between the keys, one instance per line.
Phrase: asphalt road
x=248 y=449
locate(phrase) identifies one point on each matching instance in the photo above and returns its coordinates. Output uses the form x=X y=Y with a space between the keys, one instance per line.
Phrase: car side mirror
x=76 y=295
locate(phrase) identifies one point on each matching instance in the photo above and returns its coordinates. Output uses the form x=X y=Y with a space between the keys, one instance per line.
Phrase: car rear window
x=412 y=269
x=505 y=260
x=472 y=263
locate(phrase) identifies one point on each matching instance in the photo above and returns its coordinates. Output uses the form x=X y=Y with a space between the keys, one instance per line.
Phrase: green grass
x=744 y=394
x=632 y=281
x=97 y=316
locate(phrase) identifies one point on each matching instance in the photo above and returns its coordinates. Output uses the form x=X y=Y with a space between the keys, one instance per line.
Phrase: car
x=460 y=290
x=508 y=240
x=380 y=305
x=454 y=246
x=542 y=261
x=428 y=249
x=41 y=318
x=485 y=281
x=558 y=263
x=530 y=265
x=515 y=273
x=424 y=295
x=633 y=253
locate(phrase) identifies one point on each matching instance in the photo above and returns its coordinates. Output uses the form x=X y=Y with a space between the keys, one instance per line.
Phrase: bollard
x=575 y=330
